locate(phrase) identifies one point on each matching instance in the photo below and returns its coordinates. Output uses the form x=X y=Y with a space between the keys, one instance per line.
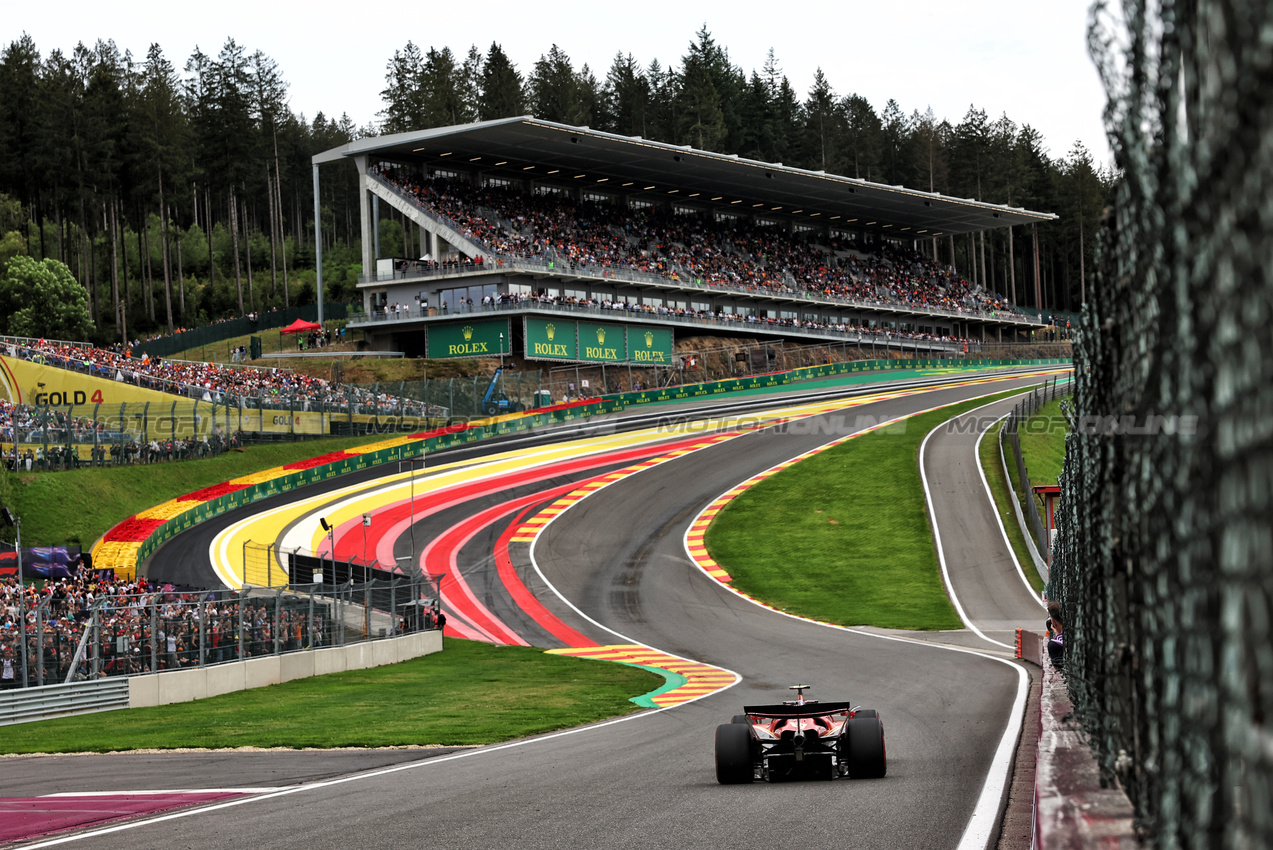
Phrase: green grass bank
x=844 y=536
x=469 y=694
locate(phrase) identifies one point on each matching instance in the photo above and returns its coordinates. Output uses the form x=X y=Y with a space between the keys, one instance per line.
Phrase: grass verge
x=844 y=536
x=81 y=505
x=1043 y=444
x=471 y=693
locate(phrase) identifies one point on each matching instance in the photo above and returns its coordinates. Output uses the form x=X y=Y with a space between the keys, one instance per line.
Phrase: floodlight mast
x=331 y=537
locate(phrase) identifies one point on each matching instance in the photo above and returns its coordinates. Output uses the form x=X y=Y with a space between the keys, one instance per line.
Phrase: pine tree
x=625 y=98
x=403 y=92
x=500 y=87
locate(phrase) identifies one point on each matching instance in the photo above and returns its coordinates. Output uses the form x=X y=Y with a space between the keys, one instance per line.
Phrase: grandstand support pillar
x=375 y=224
x=364 y=215
x=1012 y=270
x=318 y=245
x=1038 y=288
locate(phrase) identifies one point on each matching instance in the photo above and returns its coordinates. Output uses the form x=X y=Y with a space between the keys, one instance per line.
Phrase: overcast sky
x=1026 y=59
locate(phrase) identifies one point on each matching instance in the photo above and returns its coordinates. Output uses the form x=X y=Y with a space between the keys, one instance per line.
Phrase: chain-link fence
x=1164 y=561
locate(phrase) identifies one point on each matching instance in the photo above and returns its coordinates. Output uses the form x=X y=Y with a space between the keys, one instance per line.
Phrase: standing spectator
x=8 y=670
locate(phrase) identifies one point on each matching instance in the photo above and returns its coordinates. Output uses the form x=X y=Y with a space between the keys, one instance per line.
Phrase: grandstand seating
x=727 y=254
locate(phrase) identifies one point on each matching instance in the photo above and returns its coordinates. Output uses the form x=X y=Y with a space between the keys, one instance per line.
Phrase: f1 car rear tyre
x=733 y=754
x=867 y=759
x=740 y=718
x=866 y=712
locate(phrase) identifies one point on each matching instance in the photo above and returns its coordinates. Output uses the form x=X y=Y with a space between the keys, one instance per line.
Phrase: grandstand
x=572 y=235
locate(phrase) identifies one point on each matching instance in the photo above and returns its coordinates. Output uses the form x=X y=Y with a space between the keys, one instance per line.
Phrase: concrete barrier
x=200 y=682
x=1072 y=808
x=296 y=665
x=222 y=679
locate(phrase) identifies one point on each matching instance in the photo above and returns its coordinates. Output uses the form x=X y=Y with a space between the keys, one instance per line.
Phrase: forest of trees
x=179 y=195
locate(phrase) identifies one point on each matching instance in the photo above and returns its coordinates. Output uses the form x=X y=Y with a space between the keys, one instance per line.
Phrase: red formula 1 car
x=800 y=739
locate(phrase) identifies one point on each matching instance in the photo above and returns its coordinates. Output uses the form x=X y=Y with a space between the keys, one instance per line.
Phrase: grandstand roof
x=524 y=147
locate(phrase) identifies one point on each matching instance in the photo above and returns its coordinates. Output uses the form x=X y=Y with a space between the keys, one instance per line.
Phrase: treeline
x=711 y=103
x=176 y=197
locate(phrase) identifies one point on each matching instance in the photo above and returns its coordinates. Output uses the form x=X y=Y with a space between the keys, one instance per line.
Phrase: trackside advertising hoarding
x=475 y=338
x=603 y=343
x=597 y=342
x=551 y=339
x=651 y=345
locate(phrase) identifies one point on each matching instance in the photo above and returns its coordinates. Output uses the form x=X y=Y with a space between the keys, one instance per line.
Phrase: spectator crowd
x=141 y=628
x=235 y=386
x=731 y=253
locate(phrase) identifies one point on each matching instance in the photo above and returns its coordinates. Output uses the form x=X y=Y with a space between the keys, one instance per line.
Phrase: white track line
x=994 y=507
x=941 y=550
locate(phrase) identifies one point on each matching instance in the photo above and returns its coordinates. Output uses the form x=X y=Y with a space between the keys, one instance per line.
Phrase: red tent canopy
x=300 y=326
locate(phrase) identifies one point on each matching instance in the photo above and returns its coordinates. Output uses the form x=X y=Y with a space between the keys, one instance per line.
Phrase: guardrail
x=27 y=704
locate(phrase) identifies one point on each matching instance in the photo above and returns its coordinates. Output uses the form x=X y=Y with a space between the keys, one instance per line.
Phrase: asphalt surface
x=981 y=568
x=647 y=780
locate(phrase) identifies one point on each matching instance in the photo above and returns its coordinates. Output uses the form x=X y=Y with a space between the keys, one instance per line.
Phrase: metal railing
x=743 y=324
x=118 y=636
x=39 y=703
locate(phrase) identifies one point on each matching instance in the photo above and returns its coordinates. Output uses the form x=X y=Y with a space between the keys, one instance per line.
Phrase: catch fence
x=1163 y=565
x=127 y=635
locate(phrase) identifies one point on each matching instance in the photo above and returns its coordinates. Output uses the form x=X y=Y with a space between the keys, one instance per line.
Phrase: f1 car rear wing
x=809 y=709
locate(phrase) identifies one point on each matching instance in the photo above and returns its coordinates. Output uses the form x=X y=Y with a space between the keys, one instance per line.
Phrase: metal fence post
x=278 y=604
x=154 y=632
x=96 y=626
x=242 y=635
x=203 y=629
x=39 y=635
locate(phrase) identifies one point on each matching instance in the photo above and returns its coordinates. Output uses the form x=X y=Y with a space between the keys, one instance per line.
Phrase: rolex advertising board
x=603 y=343
x=477 y=338
x=551 y=339
x=650 y=345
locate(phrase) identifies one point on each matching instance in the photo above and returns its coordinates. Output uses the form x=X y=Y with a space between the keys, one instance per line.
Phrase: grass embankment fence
x=1026 y=433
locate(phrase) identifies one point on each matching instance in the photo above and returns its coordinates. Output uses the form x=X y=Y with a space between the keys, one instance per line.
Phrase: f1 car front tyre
x=866 y=747
x=734 y=764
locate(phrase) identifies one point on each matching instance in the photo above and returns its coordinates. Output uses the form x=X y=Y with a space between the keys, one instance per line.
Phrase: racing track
x=619 y=556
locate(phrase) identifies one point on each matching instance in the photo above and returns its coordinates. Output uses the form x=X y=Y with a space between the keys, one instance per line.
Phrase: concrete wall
x=200 y=682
